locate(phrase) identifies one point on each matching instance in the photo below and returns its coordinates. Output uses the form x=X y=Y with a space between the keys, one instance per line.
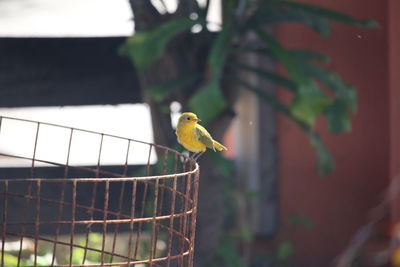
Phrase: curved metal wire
x=97 y=215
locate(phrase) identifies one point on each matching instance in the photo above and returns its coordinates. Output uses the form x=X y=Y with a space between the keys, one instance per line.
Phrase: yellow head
x=188 y=118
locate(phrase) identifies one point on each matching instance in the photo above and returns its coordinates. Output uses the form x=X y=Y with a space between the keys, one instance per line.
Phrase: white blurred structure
x=72 y=18
x=129 y=120
x=80 y=18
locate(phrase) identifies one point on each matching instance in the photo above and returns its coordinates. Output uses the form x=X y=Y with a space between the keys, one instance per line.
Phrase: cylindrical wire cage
x=71 y=197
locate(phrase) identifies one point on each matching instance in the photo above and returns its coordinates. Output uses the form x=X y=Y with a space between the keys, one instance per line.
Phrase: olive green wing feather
x=203 y=136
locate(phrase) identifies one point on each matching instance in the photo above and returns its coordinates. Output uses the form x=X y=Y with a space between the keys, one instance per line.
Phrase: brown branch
x=185 y=7
x=146 y=15
x=378 y=213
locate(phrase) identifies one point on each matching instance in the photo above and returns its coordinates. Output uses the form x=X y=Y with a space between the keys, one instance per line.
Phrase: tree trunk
x=180 y=58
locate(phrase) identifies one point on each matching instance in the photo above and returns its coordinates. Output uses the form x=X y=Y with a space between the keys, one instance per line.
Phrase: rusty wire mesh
x=58 y=213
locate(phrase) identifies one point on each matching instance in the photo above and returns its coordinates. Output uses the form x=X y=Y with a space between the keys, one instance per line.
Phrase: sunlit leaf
x=334 y=82
x=324 y=160
x=10 y=260
x=144 y=47
x=208 y=102
x=309 y=104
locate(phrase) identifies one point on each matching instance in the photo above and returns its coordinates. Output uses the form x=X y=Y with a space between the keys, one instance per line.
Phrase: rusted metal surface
x=143 y=216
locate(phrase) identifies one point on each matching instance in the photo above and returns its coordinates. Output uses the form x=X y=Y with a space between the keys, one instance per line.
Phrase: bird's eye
x=188 y=118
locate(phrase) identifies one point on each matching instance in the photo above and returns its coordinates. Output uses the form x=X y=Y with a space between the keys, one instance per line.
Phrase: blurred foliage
x=227 y=255
x=222 y=58
x=79 y=256
x=316 y=89
x=280 y=253
x=146 y=47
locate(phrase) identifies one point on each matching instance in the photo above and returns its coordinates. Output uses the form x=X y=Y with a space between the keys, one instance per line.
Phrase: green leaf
x=309 y=104
x=285 y=251
x=144 y=47
x=10 y=260
x=297 y=219
x=272 y=14
x=306 y=55
x=208 y=102
x=324 y=159
x=227 y=253
x=270 y=76
x=162 y=91
x=292 y=64
x=334 y=82
x=329 y=13
x=338 y=118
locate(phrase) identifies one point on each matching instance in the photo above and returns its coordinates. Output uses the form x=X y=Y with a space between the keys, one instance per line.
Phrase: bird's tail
x=219 y=146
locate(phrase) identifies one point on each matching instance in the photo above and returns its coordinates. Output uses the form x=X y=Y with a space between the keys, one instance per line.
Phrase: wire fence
x=58 y=211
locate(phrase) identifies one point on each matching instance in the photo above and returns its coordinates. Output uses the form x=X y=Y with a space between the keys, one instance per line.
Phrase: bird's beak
x=198 y=120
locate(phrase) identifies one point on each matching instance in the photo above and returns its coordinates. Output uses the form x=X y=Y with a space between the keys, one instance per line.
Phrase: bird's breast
x=188 y=139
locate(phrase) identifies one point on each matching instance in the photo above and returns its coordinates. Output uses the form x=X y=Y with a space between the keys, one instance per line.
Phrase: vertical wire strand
x=148 y=160
x=131 y=224
x=116 y=229
x=105 y=215
x=143 y=203
x=23 y=230
x=139 y=229
x=34 y=150
x=99 y=157
x=4 y=230
x=73 y=215
x=127 y=159
x=162 y=186
x=37 y=220
x=172 y=212
x=62 y=198
x=195 y=197
x=181 y=208
x=88 y=228
x=120 y=202
x=185 y=215
x=153 y=239
x=93 y=201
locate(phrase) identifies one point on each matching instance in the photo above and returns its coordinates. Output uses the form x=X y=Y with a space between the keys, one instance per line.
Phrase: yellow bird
x=195 y=137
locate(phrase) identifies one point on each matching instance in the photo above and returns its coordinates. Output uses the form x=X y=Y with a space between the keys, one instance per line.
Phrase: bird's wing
x=203 y=136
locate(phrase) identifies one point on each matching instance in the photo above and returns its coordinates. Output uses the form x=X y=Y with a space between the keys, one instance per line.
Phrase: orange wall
x=339 y=204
